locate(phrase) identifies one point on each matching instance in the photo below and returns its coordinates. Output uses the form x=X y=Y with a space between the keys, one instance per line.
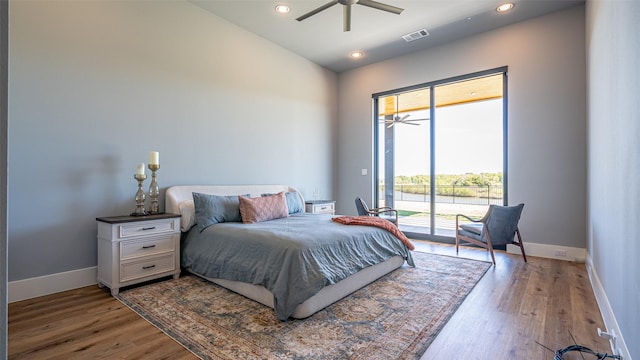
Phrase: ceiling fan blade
x=410 y=120
x=315 y=11
x=346 y=18
x=381 y=6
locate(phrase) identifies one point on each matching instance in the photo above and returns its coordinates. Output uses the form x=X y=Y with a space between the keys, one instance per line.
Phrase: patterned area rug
x=395 y=317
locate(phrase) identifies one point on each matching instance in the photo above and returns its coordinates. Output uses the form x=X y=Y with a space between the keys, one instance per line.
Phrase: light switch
x=364 y=172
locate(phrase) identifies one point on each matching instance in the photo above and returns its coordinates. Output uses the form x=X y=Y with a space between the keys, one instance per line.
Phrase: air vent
x=415 y=35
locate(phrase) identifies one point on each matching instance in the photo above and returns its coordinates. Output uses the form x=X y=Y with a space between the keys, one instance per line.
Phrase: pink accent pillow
x=264 y=208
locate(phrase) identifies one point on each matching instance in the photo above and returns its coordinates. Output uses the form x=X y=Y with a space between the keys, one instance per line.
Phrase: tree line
x=463 y=185
x=468 y=179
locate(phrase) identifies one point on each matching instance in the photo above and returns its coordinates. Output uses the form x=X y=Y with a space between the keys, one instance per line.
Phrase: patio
x=445 y=220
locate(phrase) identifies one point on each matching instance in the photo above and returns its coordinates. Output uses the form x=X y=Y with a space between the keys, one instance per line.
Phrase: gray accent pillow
x=213 y=209
x=294 y=203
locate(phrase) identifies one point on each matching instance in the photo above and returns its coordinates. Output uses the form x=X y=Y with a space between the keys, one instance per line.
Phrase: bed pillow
x=263 y=208
x=213 y=209
x=294 y=202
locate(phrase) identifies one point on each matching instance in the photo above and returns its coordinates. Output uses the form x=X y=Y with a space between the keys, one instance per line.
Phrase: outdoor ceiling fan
x=394 y=120
x=346 y=10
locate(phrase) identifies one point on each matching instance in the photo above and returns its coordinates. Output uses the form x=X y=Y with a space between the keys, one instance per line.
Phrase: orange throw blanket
x=377 y=222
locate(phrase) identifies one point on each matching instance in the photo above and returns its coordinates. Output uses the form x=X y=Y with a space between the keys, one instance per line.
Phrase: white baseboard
x=618 y=345
x=50 y=284
x=550 y=251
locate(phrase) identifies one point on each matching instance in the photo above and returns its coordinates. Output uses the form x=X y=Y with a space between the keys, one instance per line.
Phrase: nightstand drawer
x=324 y=209
x=321 y=207
x=148 y=246
x=147 y=228
x=140 y=269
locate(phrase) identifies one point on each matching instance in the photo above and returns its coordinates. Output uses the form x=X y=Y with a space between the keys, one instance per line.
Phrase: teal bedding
x=293 y=257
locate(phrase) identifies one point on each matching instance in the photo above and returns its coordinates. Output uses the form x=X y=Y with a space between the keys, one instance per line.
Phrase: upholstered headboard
x=179 y=199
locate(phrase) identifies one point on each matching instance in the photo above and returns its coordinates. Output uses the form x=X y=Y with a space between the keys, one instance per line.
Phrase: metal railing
x=452 y=194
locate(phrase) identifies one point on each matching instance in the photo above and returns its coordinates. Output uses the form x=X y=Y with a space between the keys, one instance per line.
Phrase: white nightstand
x=133 y=249
x=320 y=206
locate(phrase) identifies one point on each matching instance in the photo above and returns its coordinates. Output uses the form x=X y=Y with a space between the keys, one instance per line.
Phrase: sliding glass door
x=440 y=150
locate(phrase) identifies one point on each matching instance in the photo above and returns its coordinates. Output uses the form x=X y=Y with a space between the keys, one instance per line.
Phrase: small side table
x=133 y=249
x=320 y=207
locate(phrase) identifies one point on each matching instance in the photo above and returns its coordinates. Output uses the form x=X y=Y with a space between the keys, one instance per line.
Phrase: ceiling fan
x=346 y=12
x=394 y=120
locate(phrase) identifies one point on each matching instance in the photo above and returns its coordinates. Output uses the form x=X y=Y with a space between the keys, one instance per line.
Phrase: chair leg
x=521 y=244
x=490 y=248
x=493 y=258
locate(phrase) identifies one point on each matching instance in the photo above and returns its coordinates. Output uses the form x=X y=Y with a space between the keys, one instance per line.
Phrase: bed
x=296 y=264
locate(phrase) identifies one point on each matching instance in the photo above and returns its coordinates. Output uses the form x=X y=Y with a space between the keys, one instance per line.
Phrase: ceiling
x=320 y=38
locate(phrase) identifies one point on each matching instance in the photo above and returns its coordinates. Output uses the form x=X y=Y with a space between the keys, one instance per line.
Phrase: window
x=440 y=150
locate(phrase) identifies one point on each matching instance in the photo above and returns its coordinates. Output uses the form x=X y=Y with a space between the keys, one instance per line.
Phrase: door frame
x=431 y=85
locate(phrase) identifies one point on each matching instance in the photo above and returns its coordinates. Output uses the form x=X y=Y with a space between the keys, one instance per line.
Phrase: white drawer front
x=323 y=209
x=148 y=246
x=156 y=265
x=146 y=228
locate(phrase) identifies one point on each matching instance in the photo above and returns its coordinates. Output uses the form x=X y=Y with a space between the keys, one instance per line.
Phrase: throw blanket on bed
x=377 y=222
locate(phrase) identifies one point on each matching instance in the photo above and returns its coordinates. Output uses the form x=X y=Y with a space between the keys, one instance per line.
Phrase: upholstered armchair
x=499 y=226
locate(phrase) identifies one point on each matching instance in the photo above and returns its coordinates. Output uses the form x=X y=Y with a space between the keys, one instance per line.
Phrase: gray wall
x=95 y=86
x=547 y=126
x=613 y=56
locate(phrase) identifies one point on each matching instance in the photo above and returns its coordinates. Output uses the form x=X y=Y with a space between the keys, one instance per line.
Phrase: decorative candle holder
x=140 y=197
x=154 y=190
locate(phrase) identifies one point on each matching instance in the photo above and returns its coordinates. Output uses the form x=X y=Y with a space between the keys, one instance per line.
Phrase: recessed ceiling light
x=282 y=9
x=356 y=54
x=505 y=7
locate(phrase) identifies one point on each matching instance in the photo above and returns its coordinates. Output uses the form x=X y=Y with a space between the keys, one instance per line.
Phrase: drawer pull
x=148 y=267
x=149 y=246
x=148 y=228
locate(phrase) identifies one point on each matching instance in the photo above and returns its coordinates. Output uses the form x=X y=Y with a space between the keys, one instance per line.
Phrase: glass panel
x=404 y=160
x=468 y=149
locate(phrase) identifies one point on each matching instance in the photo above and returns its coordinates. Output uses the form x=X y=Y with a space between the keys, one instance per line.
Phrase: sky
x=468 y=140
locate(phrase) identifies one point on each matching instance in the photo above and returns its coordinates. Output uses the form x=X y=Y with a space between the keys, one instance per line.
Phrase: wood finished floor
x=514 y=307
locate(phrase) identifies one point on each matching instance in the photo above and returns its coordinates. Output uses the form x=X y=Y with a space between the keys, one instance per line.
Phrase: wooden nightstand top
x=129 y=218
